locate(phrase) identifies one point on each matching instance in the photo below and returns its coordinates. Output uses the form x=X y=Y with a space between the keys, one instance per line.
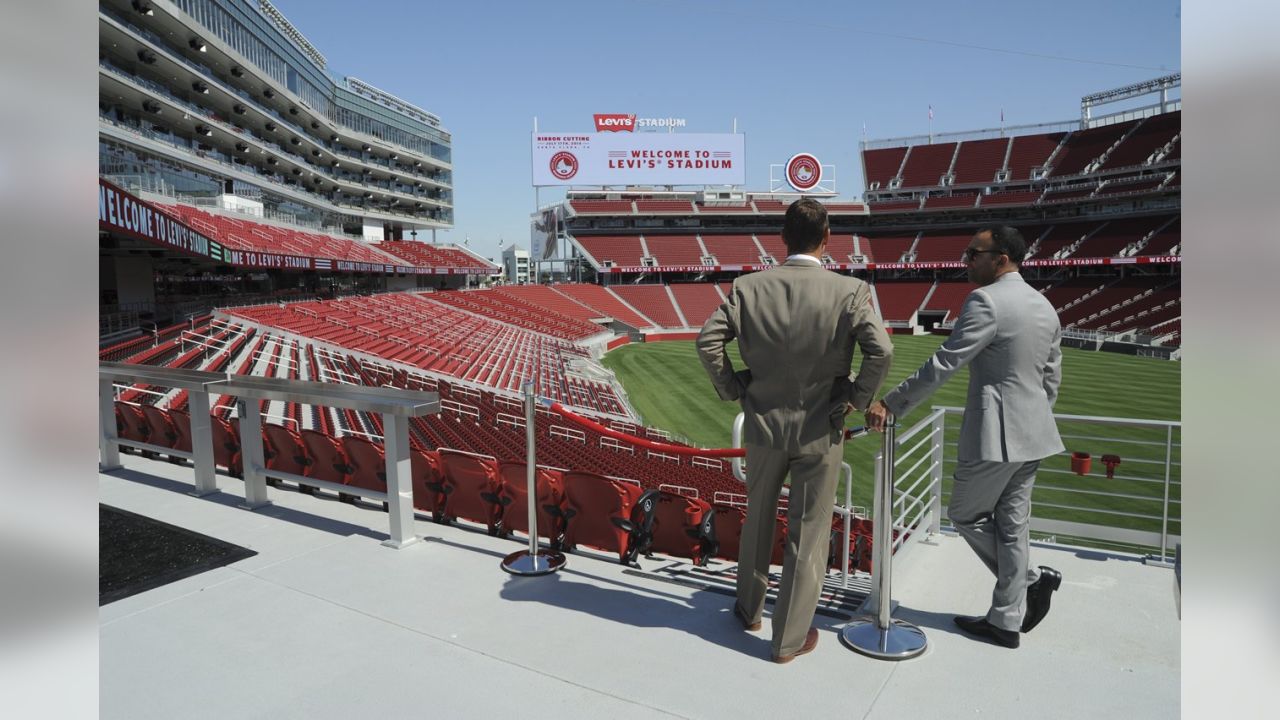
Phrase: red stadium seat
x=131 y=424
x=728 y=527
x=514 y=498
x=328 y=460
x=428 y=482
x=471 y=488
x=607 y=514
x=226 y=445
x=182 y=427
x=284 y=451
x=683 y=527
x=368 y=464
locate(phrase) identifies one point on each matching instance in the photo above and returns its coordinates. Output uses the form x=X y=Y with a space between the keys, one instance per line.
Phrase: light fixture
x=295 y=141
x=315 y=153
x=143 y=7
x=146 y=57
x=268 y=92
x=315 y=125
x=417 y=163
x=335 y=163
x=200 y=87
x=366 y=148
x=238 y=109
x=237 y=71
x=198 y=45
x=270 y=126
x=242 y=147
x=204 y=130
x=395 y=156
x=271 y=161
x=151 y=106
x=293 y=111
x=368 y=195
x=296 y=171
x=333 y=138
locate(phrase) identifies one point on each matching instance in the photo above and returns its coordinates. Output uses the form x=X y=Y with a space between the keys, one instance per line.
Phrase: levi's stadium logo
x=564 y=165
x=615 y=123
x=804 y=171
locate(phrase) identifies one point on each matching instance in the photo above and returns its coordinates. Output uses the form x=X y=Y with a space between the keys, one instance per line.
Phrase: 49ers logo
x=804 y=171
x=564 y=165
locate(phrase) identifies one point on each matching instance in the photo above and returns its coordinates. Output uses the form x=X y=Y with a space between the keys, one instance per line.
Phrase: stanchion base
x=900 y=641
x=522 y=563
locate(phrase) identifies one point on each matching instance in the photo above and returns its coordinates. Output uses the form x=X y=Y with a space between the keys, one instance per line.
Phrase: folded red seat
x=328 y=460
x=513 y=496
x=471 y=488
x=683 y=527
x=607 y=514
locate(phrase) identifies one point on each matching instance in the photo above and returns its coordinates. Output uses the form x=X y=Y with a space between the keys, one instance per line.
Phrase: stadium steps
x=676 y=305
x=631 y=307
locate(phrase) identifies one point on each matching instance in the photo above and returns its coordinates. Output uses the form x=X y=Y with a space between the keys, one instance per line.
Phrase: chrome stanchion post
x=531 y=562
x=880 y=636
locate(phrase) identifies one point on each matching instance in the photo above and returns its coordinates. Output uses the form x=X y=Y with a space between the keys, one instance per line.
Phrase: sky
x=797 y=77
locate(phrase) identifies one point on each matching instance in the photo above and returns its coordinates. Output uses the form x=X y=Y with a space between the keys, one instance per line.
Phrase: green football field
x=668 y=387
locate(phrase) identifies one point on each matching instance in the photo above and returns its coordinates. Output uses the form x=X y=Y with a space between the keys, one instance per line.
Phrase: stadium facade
x=225 y=107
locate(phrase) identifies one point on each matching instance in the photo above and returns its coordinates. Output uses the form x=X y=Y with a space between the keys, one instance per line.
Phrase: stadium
x=278 y=322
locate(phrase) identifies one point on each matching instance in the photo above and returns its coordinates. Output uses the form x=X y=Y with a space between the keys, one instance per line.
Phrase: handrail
x=395 y=405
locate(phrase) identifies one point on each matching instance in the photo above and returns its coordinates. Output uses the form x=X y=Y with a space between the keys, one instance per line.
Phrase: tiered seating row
x=422 y=254
x=515 y=311
x=414 y=330
x=239 y=234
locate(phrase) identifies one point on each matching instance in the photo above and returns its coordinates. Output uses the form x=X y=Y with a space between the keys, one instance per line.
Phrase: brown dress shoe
x=810 y=642
x=746 y=621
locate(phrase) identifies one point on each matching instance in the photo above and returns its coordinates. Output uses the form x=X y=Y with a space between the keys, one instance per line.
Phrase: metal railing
x=396 y=407
x=1126 y=496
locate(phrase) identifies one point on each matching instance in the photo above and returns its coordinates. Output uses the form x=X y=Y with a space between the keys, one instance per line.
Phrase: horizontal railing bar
x=365 y=493
x=903 y=455
x=1117 y=513
x=924 y=423
x=927 y=473
x=1115 y=440
x=1137 y=422
x=912 y=469
x=1102 y=493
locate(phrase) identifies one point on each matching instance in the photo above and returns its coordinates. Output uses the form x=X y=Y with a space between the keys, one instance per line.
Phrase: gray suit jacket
x=1009 y=336
x=796 y=327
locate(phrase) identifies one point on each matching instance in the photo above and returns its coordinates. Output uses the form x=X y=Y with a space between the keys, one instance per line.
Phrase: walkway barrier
x=878 y=635
x=532 y=562
x=1127 y=498
x=396 y=407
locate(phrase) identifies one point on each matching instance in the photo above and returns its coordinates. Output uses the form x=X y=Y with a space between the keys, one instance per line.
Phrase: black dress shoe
x=979 y=627
x=1039 y=594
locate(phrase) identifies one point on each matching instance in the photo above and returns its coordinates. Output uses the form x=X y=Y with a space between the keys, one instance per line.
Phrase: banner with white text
x=639 y=159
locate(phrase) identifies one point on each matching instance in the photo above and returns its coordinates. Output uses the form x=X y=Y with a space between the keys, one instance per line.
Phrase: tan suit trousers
x=813 y=486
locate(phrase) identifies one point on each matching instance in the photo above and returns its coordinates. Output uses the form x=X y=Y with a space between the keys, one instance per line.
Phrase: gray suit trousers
x=991 y=508
x=812 y=499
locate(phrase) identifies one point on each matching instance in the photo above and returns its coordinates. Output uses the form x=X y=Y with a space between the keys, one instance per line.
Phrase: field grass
x=668 y=387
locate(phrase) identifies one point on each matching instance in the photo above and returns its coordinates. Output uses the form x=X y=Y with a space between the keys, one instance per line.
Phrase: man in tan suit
x=796 y=327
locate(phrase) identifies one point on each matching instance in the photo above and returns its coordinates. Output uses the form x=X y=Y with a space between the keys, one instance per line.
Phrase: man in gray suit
x=796 y=327
x=1008 y=335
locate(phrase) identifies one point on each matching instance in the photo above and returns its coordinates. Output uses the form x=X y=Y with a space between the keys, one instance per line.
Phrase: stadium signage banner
x=1143 y=260
x=622 y=122
x=562 y=159
x=122 y=212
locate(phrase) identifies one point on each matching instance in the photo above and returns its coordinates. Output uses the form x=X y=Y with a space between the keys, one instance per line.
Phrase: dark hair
x=805 y=225
x=1007 y=240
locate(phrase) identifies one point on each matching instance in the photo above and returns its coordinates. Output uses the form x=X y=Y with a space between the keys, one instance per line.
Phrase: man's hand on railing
x=876 y=416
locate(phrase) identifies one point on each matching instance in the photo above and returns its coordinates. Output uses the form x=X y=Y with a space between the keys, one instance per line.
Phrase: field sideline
x=668 y=387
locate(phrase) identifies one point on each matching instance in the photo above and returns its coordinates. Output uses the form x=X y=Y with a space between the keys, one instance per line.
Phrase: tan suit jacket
x=796 y=327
